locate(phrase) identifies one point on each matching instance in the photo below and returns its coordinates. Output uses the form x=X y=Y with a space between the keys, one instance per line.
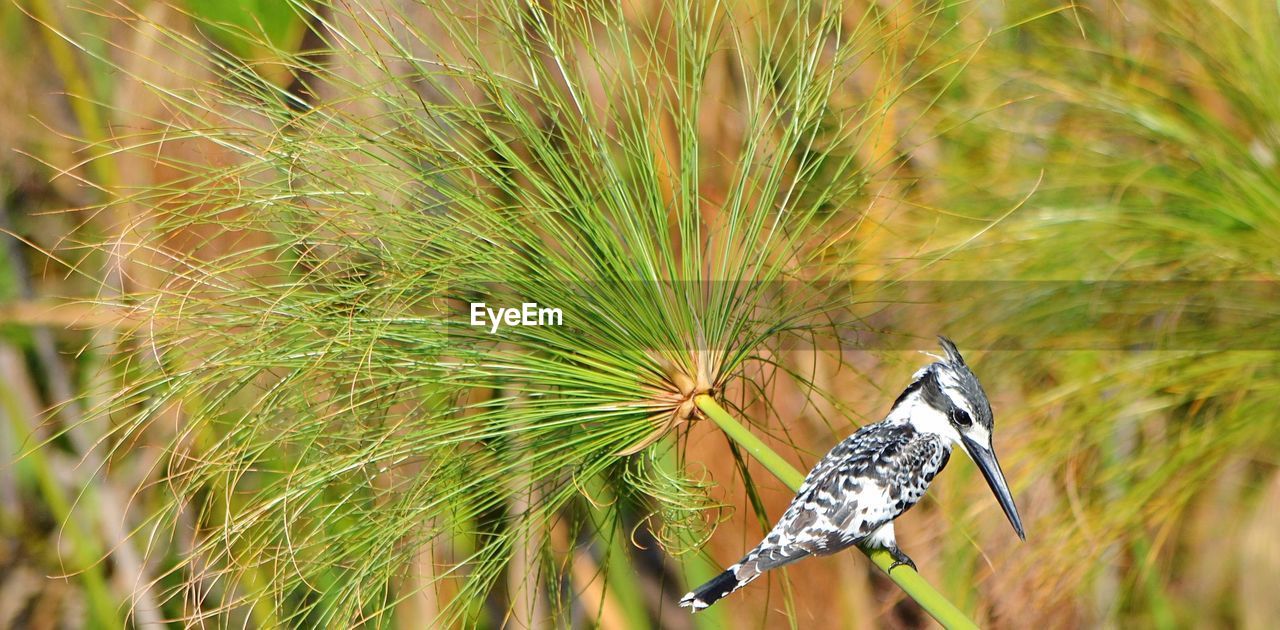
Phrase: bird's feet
x=900 y=558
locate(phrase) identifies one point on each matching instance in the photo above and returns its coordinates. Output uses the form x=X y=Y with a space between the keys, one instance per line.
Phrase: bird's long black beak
x=985 y=458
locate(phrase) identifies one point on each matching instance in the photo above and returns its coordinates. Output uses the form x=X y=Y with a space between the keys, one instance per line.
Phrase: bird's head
x=946 y=399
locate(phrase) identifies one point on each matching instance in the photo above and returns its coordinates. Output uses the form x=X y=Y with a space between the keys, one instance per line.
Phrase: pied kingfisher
x=852 y=496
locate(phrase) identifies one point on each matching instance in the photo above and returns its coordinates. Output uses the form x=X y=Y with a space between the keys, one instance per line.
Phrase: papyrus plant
x=674 y=177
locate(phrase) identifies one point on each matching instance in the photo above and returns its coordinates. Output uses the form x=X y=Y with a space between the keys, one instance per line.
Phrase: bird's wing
x=902 y=471
x=864 y=486
x=843 y=499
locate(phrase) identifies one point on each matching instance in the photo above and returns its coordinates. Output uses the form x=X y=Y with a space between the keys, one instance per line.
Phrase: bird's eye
x=960 y=417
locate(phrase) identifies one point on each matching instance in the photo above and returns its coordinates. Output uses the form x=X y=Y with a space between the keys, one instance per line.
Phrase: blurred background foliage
x=226 y=250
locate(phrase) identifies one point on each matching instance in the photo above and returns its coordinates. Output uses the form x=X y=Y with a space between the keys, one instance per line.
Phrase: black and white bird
x=854 y=493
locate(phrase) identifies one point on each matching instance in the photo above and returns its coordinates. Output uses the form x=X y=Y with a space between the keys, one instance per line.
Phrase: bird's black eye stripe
x=960 y=417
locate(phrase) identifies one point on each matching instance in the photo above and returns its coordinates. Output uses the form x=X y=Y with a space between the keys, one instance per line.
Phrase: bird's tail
x=767 y=555
x=719 y=586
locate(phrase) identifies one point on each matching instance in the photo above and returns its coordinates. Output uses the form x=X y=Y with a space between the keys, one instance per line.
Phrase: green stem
x=622 y=578
x=749 y=442
x=699 y=567
x=80 y=94
x=915 y=586
x=84 y=556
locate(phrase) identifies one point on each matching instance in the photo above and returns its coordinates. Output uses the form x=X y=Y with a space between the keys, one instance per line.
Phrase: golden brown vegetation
x=1036 y=143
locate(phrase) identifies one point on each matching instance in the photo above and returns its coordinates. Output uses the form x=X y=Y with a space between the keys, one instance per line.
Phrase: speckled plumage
x=866 y=481
x=853 y=494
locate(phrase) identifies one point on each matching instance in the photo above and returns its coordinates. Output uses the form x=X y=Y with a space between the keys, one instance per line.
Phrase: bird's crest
x=953 y=353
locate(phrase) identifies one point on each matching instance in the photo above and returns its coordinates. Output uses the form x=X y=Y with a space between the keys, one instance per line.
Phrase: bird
x=854 y=493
